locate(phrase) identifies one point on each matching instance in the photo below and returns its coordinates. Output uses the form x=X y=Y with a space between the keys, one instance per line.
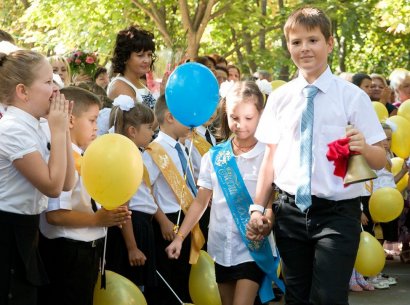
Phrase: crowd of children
x=198 y=184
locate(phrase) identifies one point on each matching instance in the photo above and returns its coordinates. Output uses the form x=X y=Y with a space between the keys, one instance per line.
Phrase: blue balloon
x=192 y=94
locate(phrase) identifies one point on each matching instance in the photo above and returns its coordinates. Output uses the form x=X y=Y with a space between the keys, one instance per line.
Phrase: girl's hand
x=136 y=257
x=167 y=230
x=174 y=249
x=357 y=141
x=58 y=116
x=109 y=218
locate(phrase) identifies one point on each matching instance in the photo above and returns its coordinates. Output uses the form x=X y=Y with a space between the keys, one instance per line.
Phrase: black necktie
x=208 y=137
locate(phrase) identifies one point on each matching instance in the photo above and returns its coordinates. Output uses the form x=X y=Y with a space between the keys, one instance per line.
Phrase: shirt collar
x=259 y=147
x=77 y=149
x=23 y=116
x=201 y=130
x=166 y=138
x=323 y=82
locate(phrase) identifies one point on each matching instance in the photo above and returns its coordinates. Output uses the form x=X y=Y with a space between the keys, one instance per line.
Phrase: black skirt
x=117 y=253
x=247 y=270
x=21 y=269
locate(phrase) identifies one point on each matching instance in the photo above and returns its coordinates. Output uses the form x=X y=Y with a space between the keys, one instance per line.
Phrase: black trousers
x=175 y=271
x=318 y=249
x=72 y=268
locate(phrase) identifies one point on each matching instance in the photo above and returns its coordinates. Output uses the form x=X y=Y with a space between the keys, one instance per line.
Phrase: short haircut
x=358 y=78
x=5 y=36
x=82 y=98
x=379 y=77
x=160 y=109
x=222 y=69
x=310 y=18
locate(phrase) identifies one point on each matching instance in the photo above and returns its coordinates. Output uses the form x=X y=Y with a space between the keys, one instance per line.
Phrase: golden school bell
x=357 y=168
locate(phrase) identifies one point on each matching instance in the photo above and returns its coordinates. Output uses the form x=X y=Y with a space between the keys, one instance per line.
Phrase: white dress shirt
x=337 y=104
x=225 y=243
x=143 y=201
x=75 y=200
x=20 y=134
x=161 y=190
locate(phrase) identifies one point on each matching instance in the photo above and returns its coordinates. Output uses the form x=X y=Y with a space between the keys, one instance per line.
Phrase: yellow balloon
x=370 y=258
x=386 y=204
x=202 y=283
x=112 y=170
x=400 y=142
x=397 y=164
x=381 y=111
x=119 y=290
x=277 y=83
x=404 y=109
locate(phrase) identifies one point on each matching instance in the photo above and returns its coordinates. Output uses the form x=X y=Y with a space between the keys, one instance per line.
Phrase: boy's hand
x=364 y=219
x=174 y=249
x=357 y=141
x=116 y=217
x=136 y=257
x=167 y=230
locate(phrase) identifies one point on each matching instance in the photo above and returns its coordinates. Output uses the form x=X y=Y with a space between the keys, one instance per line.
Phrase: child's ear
x=72 y=121
x=169 y=117
x=131 y=132
x=21 y=92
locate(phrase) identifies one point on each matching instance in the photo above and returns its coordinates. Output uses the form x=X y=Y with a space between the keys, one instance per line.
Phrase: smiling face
x=366 y=86
x=377 y=88
x=403 y=90
x=40 y=92
x=309 y=50
x=139 y=63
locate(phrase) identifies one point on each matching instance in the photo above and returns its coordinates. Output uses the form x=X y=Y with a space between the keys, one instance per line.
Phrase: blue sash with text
x=238 y=200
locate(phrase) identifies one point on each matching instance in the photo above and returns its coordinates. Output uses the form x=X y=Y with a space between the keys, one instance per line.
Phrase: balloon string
x=170 y=288
x=185 y=176
x=103 y=259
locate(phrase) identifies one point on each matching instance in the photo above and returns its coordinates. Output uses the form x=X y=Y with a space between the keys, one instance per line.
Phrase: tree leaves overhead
x=371 y=35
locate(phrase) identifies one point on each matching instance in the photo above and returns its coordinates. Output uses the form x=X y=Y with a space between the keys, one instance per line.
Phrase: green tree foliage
x=370 y=35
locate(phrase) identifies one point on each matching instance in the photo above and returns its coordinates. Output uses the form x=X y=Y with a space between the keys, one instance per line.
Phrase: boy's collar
x=323 y=82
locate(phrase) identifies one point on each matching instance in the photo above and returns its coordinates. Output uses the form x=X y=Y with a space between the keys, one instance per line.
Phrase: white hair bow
x=264 y=86
x=226 y=86
x=124 y=102
x=391 y=124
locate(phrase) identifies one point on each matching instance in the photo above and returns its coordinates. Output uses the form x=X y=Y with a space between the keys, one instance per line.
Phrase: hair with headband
x=126 y=112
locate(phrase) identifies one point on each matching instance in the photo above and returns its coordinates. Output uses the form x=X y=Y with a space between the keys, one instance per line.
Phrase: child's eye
x=295 y=43
x=313 y=40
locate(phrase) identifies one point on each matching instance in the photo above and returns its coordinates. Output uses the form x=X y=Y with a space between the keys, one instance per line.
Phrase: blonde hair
x=136 y=116
x=18 y=67
x=397 y=77
x=55 y=59
x=239 y=91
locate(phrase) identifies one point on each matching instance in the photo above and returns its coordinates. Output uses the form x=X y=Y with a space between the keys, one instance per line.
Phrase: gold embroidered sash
x=77 y=162
x=200 y=143
x=181 y=192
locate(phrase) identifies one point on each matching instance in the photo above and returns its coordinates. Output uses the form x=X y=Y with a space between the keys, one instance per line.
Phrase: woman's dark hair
x=132 y=39
x=358 y=78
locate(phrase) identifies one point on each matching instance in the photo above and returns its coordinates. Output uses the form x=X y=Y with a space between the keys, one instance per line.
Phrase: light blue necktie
x=188 y=174
x=303 y=191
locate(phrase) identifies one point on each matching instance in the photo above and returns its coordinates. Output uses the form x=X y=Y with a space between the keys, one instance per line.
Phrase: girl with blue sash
x=228 y=176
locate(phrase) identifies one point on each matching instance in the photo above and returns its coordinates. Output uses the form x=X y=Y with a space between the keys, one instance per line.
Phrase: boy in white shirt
x=317 y=222
x=73 y=227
